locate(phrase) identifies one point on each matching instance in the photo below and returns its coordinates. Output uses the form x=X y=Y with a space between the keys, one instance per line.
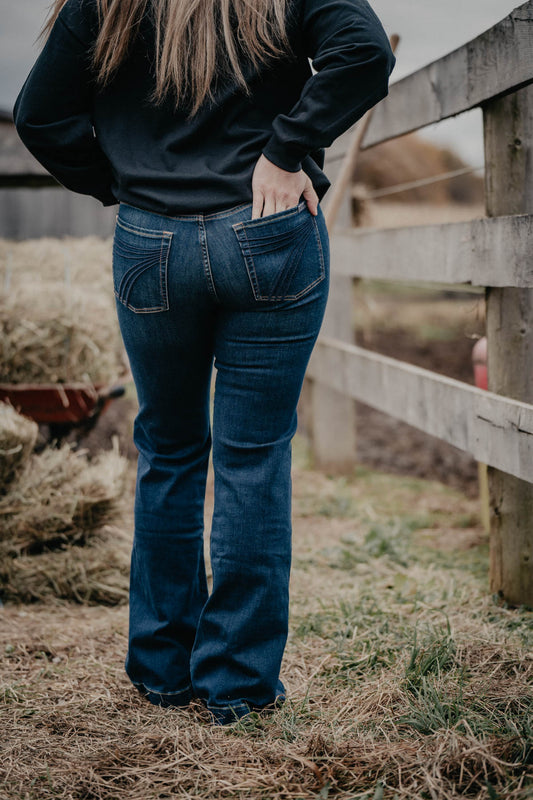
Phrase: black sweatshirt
x=113 y=144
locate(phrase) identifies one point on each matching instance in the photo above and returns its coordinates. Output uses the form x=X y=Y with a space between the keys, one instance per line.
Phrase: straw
x=17 y=440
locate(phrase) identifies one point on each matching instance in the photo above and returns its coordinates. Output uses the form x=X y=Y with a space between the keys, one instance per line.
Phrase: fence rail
x=495 y=63
x=494 y=429
x=493 y=251
x=494 y=72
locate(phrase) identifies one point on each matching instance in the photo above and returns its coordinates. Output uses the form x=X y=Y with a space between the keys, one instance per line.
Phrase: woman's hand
x=274 y=189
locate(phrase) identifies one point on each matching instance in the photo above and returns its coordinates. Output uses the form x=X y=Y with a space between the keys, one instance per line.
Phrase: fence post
x=508 y=138
x=332 y=424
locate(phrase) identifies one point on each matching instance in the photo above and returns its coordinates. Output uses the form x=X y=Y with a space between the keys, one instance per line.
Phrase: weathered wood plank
x=483 y=252
x=498 y=61
x=32 y=213
x=508 y=139
x=494 y=429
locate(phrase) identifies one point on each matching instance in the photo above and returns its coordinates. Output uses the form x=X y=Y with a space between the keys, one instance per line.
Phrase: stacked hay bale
x=55 y=513
x=55 y=510
x=58 y=507
x=51 y=333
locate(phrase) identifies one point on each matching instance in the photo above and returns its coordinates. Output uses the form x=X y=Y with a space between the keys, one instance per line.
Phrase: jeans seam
x=320 y=249
x=205 y=255
x=163 y=284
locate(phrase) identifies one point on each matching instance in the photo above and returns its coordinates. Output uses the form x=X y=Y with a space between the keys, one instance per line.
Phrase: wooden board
x=494 y=429
x=498 y=61
x=508 y=140
x=32 y=213
x=482 y=252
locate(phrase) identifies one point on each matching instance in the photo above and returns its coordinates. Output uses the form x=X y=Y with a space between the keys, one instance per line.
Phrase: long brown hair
x=195 y=40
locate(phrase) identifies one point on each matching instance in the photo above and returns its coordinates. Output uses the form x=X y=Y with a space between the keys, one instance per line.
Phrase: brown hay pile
x=58 y=324
x=17 y=440
x=410 y=158
x=53 y=534
x=60 y=497
x=54 y=333
x=97 y=574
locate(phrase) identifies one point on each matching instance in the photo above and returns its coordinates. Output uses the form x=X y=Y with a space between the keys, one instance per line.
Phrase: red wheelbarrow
x=61 y=406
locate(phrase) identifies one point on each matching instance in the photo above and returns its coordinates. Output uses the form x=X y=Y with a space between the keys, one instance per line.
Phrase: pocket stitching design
x=164 y=252
x=244 y=244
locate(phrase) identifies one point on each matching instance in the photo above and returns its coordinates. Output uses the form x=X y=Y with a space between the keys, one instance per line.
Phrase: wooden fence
x=493 y=72
x=33 y=204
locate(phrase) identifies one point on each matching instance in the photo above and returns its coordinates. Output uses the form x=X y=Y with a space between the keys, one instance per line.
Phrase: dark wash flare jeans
x=249 y=296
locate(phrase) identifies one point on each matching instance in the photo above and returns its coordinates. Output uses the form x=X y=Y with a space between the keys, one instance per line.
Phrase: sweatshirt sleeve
x=53 y=116
x=353 y=59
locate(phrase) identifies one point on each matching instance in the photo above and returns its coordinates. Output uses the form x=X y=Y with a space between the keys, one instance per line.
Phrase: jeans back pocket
x=140 y=261
x=282 y=253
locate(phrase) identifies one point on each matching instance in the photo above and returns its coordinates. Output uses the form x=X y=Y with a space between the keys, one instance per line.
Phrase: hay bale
x=97 y=574
x=60 y=498
x=54 y=529
x=410 y=158
x=17 y=440
x=58 y=324
x=80 y=261
x=54 y=333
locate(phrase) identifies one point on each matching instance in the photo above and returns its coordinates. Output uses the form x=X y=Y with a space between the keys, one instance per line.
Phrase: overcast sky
x=428 y=29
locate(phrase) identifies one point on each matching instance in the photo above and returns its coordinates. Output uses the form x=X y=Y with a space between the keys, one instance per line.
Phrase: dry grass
x=406 y=679
x=51 y=332
x=57 y=313
x=60 y=495
x=84 y=261
x=54 y=513
x=17 y=440
x=58 y=324
x=96 y=573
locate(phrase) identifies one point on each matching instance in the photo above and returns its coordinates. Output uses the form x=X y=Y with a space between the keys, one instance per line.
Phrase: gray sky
x=429 y=29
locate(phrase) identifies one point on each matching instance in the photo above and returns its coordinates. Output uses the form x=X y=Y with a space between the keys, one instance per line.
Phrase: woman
x=204 y=121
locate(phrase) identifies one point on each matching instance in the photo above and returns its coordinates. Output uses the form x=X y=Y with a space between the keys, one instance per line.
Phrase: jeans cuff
x=225 y=715
x=178 y=699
